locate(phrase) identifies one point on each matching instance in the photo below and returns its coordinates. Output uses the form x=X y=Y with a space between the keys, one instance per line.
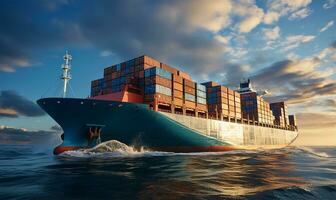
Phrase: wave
x=114 y=148
x=295 y=192
x=314 y=152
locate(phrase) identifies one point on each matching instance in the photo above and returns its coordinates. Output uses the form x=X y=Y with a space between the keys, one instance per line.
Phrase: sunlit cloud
x=327 y=26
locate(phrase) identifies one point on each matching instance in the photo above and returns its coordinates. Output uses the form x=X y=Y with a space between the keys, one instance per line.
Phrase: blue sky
x=287 y=47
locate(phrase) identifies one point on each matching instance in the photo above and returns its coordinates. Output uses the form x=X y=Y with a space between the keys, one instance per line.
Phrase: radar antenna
x=66 y=71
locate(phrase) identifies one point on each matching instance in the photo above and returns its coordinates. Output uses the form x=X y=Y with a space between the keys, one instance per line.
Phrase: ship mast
x=66 y=72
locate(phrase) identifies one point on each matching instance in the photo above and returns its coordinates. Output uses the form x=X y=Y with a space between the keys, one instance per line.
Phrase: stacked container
x=237 y=101
x=280 y=113
x=255 y=108
x=97 y=87
x=201 y=97
x=177 y=90
x=222 y=102
x=189 y=90
x=158 y=86
x=292 y=120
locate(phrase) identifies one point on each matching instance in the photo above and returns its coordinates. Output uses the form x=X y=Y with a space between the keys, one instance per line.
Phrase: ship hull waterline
x=136 y=125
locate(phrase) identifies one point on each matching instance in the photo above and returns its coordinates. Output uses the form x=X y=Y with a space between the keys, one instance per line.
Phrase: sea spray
x=314 y=152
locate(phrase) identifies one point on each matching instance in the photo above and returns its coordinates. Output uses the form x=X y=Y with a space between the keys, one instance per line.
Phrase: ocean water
x=32 y=172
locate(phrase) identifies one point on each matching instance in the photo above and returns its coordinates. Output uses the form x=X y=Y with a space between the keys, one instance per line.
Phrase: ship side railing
x=206 y=115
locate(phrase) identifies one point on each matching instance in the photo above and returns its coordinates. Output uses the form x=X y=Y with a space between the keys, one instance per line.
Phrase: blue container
x=118 y=67
x=122 y=80
x=189 y=97
x=201 y=94
x=151 y=89
x=116 y=81
x=201 y=87
x=158 y=71
x=201 y=100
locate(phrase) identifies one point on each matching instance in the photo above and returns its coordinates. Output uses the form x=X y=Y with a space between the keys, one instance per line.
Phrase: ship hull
x=138 y=126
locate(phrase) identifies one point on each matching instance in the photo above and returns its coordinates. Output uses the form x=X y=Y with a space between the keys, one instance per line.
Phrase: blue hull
x=130 y=123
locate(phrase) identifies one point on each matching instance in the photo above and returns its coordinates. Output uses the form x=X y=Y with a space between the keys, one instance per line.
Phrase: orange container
x=168 y=68
x=178 y=86
x=177 y=79
x=225 y=106
x=184 y=75
x=178 y=94
x=231 y=92
x=158 y=80
x=225 y=112
x=189 y=83
x=201 y=107
x=178 y=101
x=190 y=104
x=189 y=90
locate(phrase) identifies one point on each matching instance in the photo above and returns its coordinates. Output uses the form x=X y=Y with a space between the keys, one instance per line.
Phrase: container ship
x=145 y=103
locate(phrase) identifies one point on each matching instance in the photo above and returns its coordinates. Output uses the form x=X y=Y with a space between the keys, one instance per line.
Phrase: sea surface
x=32 y=172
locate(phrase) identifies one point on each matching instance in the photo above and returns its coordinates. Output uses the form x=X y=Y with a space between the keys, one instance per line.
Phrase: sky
x=287 y=47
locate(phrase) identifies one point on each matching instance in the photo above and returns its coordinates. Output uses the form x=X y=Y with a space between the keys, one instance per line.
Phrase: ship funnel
x=66 y=76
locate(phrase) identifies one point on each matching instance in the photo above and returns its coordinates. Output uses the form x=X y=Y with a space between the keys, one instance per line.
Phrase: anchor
x=95 y=132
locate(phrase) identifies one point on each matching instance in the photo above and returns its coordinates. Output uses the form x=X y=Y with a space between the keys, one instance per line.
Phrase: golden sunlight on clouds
x=8 y=111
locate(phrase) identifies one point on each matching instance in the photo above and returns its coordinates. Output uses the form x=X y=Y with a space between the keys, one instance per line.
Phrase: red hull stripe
x=61 y=149
x=195 y=149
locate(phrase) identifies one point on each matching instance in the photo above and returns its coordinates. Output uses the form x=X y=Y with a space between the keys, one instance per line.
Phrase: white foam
x=114 y=148
x=314 y=152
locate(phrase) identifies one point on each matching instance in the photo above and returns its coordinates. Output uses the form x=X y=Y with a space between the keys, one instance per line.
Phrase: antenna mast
x=66 y=71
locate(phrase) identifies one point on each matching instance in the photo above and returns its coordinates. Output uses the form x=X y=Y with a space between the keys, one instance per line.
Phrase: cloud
x=222 y=39
x=24 y=32
x=300 y=80
x=11 y=135
x=297 y=9
x=316 y=120
x=300 y=14
x=14 y=105
x=251 y=15
x=192 y=43
x=106 y=53
x=327 y=26
x=271 y=17
x=329 y=4
x=272 y=34
x=294 y=41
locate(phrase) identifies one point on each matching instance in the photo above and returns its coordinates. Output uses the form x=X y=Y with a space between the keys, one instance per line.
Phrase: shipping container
x=189 y=90
x=158 y=80
x=210 y=84
x=190 y=104
x=178 y=86
x=178 y=101
x=201 y=100
x=178 y=94
x=151 y=89
x=201 y=94
x=169 y=68
x=177 y=79
x=184 y=75
x=189 y=83
x=201 y=88
x=158 y=71
x=189 y=97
